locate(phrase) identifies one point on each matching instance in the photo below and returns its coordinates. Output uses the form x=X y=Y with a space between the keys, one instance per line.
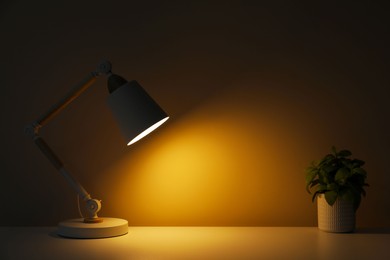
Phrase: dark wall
x=255 y=91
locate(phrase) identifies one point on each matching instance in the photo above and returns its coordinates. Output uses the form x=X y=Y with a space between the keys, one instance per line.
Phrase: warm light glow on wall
x=233 y=161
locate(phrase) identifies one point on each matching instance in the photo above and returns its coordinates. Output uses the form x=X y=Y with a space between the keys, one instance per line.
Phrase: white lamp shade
x=135 y=111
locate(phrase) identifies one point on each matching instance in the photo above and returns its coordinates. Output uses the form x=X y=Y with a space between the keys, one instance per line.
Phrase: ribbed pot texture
x=337 y=218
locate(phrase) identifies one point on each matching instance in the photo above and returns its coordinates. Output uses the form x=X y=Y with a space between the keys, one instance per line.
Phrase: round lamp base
x=77 y=228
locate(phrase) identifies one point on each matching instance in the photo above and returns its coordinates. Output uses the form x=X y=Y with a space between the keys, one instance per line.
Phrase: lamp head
x=135 y=111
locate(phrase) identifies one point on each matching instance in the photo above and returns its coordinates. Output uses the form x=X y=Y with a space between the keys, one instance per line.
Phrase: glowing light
x=148 y=131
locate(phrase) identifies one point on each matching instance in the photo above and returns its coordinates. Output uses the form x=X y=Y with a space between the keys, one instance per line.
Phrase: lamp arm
x=72 y=95
x=92 y=205
x=103 y=68
x=57 y=163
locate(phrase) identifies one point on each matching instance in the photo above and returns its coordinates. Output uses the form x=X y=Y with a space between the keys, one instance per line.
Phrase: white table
x=198 y=243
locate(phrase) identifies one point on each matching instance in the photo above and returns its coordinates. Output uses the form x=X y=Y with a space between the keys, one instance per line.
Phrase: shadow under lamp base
x=77 y=228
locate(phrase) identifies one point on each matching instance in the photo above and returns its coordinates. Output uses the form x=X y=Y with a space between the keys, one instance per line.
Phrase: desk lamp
x=137 y=115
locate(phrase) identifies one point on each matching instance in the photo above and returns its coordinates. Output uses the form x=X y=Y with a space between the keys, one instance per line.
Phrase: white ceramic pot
x=337 y=218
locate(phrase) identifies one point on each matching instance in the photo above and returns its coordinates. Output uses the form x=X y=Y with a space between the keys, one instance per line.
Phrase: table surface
x=198 y=243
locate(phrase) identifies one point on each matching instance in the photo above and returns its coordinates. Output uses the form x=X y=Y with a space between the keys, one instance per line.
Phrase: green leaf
x=316 y=193
x=332 y=186
x=311 y=184
x=331 y=197
x=310 y=168
x=347 y=163
x=314 y=196
x=311 y=173
x=315 y=182
x=329 y=169
x=356 y=180
x=356 y=201
x=359 y=171
x=341 y=175
x=347 y=195
x=327 y=159
x=357 y=163
x=322 y=187
x=323 y=176
x=344 y=153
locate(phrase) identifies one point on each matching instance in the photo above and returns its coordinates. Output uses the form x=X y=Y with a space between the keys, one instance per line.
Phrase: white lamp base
x=109 y=227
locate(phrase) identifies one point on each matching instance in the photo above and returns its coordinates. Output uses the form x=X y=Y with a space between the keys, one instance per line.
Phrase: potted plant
x=338 y=182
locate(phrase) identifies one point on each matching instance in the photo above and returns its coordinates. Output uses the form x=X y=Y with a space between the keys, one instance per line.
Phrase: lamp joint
x=104 y=68
x=32 y=129
x=93 y=206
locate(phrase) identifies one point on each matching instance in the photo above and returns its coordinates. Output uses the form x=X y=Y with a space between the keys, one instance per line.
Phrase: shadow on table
x=54 y=234
x=372 y=231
